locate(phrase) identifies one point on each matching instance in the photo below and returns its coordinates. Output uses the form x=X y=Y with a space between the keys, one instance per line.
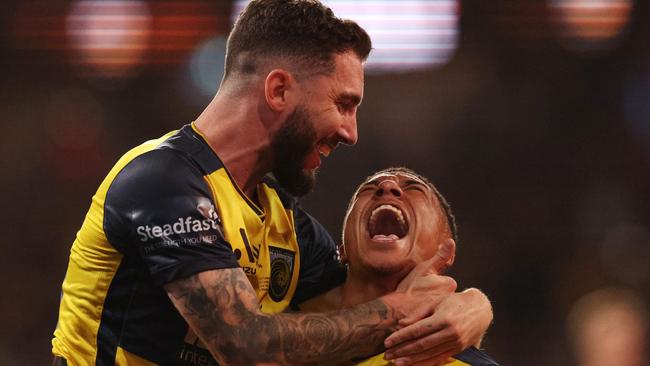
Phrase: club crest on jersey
x=281 y=272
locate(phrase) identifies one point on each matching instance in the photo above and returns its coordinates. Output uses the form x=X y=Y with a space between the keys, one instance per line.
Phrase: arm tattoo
x=221 y=306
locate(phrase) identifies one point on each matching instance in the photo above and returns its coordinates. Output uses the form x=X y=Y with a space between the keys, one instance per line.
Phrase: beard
x=291 y=145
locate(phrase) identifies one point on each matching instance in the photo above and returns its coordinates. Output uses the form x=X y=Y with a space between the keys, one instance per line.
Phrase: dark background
x=542 y=150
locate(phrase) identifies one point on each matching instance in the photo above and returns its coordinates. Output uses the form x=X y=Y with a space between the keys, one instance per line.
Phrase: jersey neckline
x=258 y=211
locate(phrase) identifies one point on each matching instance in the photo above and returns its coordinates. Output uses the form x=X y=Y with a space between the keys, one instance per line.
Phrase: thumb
x=443 y=258
x=437 y=264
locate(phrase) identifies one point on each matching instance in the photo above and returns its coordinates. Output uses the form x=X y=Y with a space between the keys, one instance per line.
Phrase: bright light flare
x=406 y=35
x=109 y=38
x=589 y=25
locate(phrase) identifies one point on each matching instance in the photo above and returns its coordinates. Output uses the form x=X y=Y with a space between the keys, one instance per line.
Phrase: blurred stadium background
x=532 y=117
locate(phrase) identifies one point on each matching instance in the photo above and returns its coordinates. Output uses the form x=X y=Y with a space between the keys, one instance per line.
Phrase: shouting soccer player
x=399 y=225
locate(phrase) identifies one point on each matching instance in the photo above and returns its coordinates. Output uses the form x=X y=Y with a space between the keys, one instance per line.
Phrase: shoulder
x=159 y=171
x=179 y=159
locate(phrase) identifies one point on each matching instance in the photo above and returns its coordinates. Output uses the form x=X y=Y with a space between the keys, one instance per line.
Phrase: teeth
x=397 y=211
x=323 y=150
x=386 y=238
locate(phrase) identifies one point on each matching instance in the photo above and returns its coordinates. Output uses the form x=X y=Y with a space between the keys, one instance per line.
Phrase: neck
x=360 y=288
x=233 y=127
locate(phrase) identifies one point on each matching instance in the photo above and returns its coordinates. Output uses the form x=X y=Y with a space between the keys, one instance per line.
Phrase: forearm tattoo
x=224 y=310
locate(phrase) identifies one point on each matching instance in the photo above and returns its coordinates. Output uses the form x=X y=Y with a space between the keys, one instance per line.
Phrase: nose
x=348 y=130
x=388 y=186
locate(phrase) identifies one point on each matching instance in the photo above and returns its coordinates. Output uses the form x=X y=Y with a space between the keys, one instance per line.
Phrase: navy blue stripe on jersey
x=320 y=268
x=474 y=357
x=153 y=335
x=131 y=324
x=110 y=326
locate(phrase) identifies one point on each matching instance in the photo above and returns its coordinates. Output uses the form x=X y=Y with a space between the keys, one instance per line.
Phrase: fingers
x=413 y=336
x=437 y=264
x=440 y=261
x=419 y=313
x=444 y=326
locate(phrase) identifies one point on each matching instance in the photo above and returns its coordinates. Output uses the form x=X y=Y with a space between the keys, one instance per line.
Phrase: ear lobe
x=343 y=256
x=276 y=85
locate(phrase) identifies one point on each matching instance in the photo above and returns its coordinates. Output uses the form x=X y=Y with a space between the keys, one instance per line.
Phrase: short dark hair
x=304 y=32
x=446 y=208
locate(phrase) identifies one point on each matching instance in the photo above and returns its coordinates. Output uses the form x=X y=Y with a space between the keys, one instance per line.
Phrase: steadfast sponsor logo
x=184 y=225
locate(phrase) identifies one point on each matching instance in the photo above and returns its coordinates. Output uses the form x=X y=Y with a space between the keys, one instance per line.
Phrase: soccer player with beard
x=398 y=225
x=190 y=252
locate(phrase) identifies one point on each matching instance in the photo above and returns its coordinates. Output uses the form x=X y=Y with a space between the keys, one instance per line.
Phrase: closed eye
x=348 y=103
x=367 y=188
x=415 y=185
x=345 y=107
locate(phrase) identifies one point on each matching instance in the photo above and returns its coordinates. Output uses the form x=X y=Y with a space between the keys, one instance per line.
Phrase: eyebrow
x=407 y=182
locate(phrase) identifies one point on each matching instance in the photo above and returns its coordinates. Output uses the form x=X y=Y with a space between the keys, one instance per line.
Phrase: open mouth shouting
x=387 y=224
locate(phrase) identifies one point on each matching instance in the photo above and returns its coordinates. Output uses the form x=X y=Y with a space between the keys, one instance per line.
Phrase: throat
x=360 y=289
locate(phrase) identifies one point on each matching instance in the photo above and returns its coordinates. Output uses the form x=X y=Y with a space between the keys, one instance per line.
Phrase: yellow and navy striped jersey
x=469 y=357
x=169 y=209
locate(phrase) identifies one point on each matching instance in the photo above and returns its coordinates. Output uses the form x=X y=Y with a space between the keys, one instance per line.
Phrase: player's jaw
x=292 y=145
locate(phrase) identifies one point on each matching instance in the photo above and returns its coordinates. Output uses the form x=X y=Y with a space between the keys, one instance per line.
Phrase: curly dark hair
x=446 y=208
x=305 y=33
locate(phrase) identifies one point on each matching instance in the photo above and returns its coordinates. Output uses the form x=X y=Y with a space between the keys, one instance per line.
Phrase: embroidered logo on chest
x=282 y=263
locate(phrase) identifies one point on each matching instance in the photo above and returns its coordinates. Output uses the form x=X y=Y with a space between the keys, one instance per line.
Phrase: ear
x=342 y=254
x=277 y=87
x=450 y=262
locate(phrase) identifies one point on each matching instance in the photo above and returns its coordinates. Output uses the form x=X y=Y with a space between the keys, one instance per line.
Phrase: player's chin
x=385 y=264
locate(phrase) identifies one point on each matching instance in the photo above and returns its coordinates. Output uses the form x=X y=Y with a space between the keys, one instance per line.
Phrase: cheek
x=330 y=118
x=353 y=229
x=430 y=234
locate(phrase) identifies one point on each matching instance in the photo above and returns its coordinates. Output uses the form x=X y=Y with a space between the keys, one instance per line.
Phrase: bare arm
x=221 y=307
